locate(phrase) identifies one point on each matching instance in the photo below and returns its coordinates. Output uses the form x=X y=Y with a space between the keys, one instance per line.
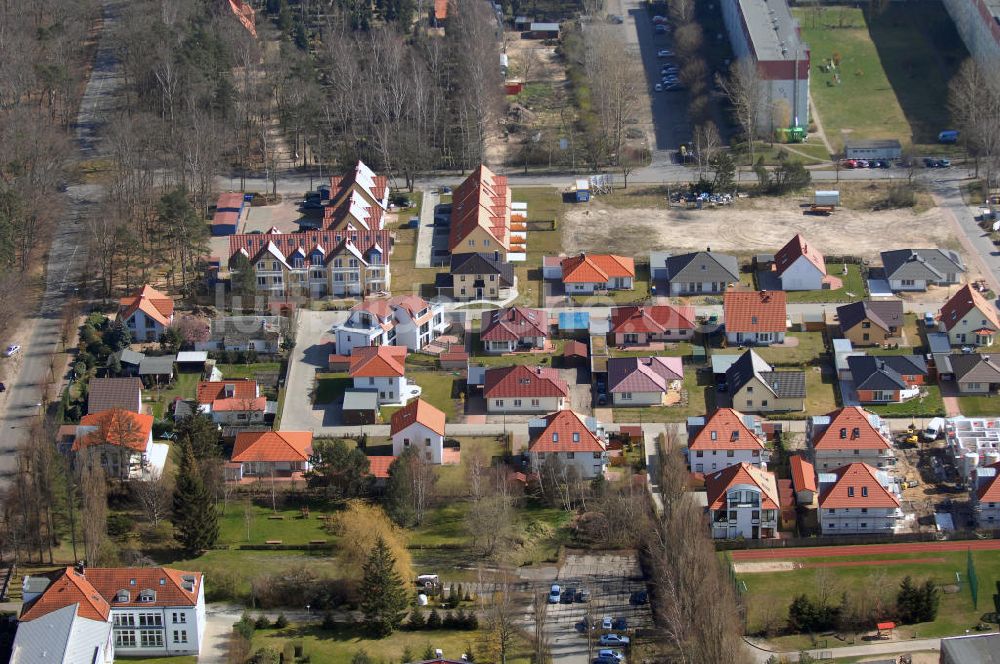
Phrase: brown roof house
x=969 y=319
x=521 y=389
x=725 y=438
x=799 y=266
x=755 y=317
x=857 y=498
x=513 y=328
x=107 y=393
x=872 y=322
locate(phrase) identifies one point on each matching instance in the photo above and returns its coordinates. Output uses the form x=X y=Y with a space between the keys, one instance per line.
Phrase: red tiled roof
x=786 y=498
x=383 y=307
x=234 y=405
x=209 y=391
x=522 y=381
x=167 y=584
x=803 y=473
x=513 y=323
x=575 y=349
x=378 y=362
x=378 y=466
x=481 y=201
x=353 y=212
x=963 y=302
x=731 y=433
x=755 y=311
x=596 y=268
x=341 y=184
x=565 y=431
x=643 y=374
x=719 y=482
x=419 y=412
x=440 y=9
x=331 y=242
x=795 y=249
x=151 y=302
x=990 y=491
x=272 y=446
x=841 y=434
x=655 y=319
x=67 y=589
x=119 y=427
x=857 y=485
x=245 y=13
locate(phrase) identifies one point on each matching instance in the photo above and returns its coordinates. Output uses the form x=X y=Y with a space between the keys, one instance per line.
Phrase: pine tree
x=930 y=598
x=196 y=522
x=434 y=620
x=908 y=601
x=384 y=597
x=416 y=620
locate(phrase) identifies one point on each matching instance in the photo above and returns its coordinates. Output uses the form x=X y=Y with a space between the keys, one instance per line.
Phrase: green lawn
x=439 y=389
x=766 y=591
x=292 y=529
x=638 y=294
x=674 y=349
x=544 y=204
x=700 y=390
x=480 y=358
x=248 y=370
x=973 y=406
x=185 y=385
x=330 y=387
x=821 y=391
x=929 y=406
x=852 y=290
x=453 y=480
x=810 y=346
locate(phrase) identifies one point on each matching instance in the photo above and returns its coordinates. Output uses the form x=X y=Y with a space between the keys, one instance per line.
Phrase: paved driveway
x=313 y=341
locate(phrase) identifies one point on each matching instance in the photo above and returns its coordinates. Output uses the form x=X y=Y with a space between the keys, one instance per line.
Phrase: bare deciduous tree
x=745 y=89
x=94 y=503
x=154 y=497
x=974 y=103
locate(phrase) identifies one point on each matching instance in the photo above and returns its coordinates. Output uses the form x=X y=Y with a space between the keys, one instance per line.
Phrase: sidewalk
x=425 y=231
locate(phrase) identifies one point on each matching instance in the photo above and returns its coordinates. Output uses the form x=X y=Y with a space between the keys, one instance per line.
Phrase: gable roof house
x=381 y=369
x=985 y=489
x=363 y=182
x=887 y=378
x=800 y=266
x=480 y=214
x=123 y=441
x=354 y=212
x=586 y=273
x=755 y=386
x=267 y=454
x=857 y=498
x=640 y=325
x=402 y=320
x=107 y=393
x=522 y=389
x=476 y=276
x=700 y=272
x=513 y=328
x=229 y=402
x=261 y=334
x=743 y=502
x=645 y=381
x=916 y=269
x=975 y=373
x=725 y=438
x=968 y=318
x=146 y=314
x=418 y=424
x=848 y=435
x=574 y=441
x=803 y=479
x=755 y=317
x=872 y=322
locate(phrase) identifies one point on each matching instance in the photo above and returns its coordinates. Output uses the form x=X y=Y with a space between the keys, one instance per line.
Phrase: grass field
x=185 y=385
x=291 y=529
x=821 y=391
x=979 y=406
x=929 y=406
x=852 y=290
x=810 y=346
x=248 y=370
x=769 y=592
x=330 y=387
x=544 y=204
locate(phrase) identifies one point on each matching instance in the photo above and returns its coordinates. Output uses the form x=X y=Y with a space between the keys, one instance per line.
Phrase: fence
x=846 y=540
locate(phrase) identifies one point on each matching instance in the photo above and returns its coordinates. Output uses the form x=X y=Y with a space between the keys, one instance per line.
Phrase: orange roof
x=754 y=311
x=481 y=201
x=851 y=428
x=521 y=381
x=418 y=412
x=857 y=485
x=378 y=466
x=151 y=302
x=116 y=427
x=440 y=9
x=803 y=473
x=565 y=431
x=990 y=491
x=795 y=249
x=234 y=405
x=69 y=588
x=659 y=318
x=731 y=433
x=596 y=268
x=272 y=446
x=167 y=584
x=213 y=390
x=718 y=483
x=963 y=302
x=378 y=362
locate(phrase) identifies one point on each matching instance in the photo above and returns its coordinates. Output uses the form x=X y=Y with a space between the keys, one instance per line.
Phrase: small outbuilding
x=360 y=407
x=874 y=149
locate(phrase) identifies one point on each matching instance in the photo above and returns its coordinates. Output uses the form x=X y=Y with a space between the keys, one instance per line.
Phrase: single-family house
x=146 y=314
x=849 y=435
x=381 y=369
x=587 y=273
x=575 y=441
x=418 y=424
x=231 y=402
x=108 y=393
x=513 y=328
x=645 y=381
x=480 y=214
x=975 y=373
x=477 y=276
x=260 y=334
x=986 y=496
x=916 y=269
x=122 y=441
x=969 y=319
x=641 y=325
x=755 y=317
x=858 y=498
x=887 y=378
x=700 y=273
x=742 y=502
x=803 y=479
x=800 y=265
x=725 y=438
x=522 y=389
x=755 y=386
x=267 y=454
x=872 y=322
x=407 y=321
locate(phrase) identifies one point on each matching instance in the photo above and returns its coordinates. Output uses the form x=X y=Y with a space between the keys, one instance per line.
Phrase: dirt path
x=820 y=131
x=865 y=550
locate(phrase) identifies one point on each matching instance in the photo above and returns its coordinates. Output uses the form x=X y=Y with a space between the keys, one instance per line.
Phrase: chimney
x=708 y=250
x=81 y=568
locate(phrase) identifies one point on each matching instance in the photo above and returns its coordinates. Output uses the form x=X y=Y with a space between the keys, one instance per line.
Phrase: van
x=948 y=136
x=933 y=429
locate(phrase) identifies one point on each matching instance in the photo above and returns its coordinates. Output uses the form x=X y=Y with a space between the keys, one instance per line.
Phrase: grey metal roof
x=703 y=266
x=786 y=384
x=128 y=356
x=876 y=143
x=482 y=263
x=107 y=393
x=192 y=356
x=921 y=264
x=974 y=368
x=360 y=400
x=977 y=648
x=157 y=366
x=721 y=363
x=884 y=313
x=772 y=30
x=884 y=372
x=938 y=342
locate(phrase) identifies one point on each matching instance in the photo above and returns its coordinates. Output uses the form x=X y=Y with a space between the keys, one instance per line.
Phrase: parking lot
x=611 y=579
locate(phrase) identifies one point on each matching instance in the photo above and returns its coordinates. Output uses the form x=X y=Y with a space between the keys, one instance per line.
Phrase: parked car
x=613 y=640
x=555 y=594
x=444 y=190
x=660 y=30
x=658 y=87
x=12 y=349
x=568 y=596
x=583 y=596
x=948 y=136
x=604 y=660
x=849 y=163
x=933 y=429
x=639 y=597
x=607 y=622
x=311 y=204
x=659 y=20
x=620 y=624
x=664 y=53
x=861 y=163
x=3 y=388
x=616 y=19
x=613 y=654
x=944 y=163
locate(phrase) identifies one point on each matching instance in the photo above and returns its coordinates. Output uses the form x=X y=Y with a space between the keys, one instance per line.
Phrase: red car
x=849 y=163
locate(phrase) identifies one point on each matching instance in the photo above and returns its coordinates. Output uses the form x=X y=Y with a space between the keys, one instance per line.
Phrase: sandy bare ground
x=762 y=566
x=751 y=226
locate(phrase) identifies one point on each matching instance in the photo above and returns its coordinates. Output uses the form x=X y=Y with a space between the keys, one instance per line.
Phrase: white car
x=658 y=87
x=606 y=623
x=664 y=53
x=612 y=654
x=555 y=594
x=12 y=349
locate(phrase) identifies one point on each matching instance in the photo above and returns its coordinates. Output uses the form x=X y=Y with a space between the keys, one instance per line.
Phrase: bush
x=281 y=622
x=262 y=622
x=806 y=615
x=899 y=196
x=917 y=603
x=434 y=620
x=416 y=620
x=245 y=626
x=120 y=525
x=449 y=621
x=328 y=622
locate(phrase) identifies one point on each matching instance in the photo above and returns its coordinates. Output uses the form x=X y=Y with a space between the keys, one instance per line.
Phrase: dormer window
x=555 y=437
x=122 y=596
x=147 y=595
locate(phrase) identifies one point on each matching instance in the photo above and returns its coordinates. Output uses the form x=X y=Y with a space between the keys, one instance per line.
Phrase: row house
x=755 y=318
x=354 y=213
x=319 y=263
x=512 y=329
x=743 y=502
x=270 y=454
x=522 y=389
x=480 y=214
x=578 y=443
x=407 y=321
x=849 y=435
x=147 y=314
x=968 y=319
x=858 y=498
x=641 y=325
x=725 y=438
x=363 y=182
x=231 y=402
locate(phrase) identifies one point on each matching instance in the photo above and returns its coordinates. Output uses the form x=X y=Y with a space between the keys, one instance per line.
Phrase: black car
x=639 y=598
x=311 y=204
x=620 y=625
x=568 y=596
x=3 y=388
x=604 y=660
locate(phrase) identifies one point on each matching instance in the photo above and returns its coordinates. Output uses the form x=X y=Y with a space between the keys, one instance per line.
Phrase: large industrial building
x=978 y=23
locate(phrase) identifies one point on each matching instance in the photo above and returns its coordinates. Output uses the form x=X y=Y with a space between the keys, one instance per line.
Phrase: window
x=714 y=435
x=576 y=437
x=124 y=620
x=517 y=403
x=626 y=396
x=122 y=596
x=730 y=453
x=147 y=596
x=864 y=510
x=749 y=403
x=472 y=243
x=535 y=402
x=750 y=390
x=735 y=436
x=180 y=636
x=499 y=403
x=699 y=454
x=763 y=404
x=850 y=492
x=864 y=492
x=555 y=437
x=261 y=281
x=843 y=432
x=571 y=455
x=125 y=639
x=755 y=514
x=151 y=638
x=831 y=511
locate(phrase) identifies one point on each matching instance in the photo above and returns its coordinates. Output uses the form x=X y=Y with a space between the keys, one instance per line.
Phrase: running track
x=863 y=550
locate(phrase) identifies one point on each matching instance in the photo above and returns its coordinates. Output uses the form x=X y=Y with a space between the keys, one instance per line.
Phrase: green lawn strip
x=673 y=349
x=330 y=387
x=443 y=526
x=929 y=406
x=291 y=529
x=972 y=406
x=453 y=480
x=852 y=290
x=544 y=205
x=184 y=385
x=438 y=389
x=821 y=391
x=480 y=358
x=247 y=370
x=810 y=346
